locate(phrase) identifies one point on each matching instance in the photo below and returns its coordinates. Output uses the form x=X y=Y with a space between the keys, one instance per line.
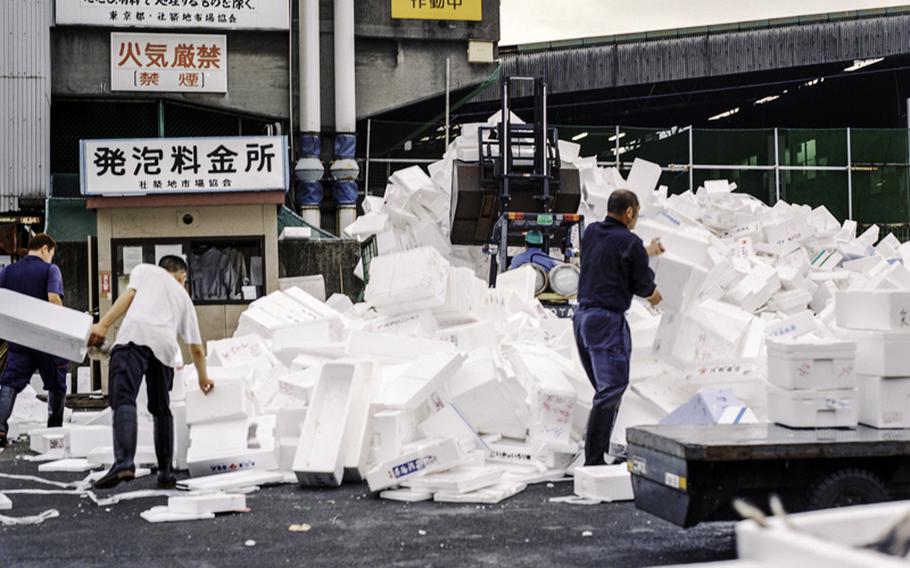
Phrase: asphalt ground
x=349 y=527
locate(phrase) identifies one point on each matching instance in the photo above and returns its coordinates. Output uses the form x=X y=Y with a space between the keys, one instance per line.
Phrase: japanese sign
x=183 y=165
x=437 y=10
x=217 y=14
x=163 y=62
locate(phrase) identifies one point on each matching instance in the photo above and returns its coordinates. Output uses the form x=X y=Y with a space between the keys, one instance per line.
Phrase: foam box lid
x=803 y=348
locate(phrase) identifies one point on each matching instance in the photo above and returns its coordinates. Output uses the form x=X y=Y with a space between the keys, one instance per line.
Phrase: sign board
x=213 y=14
x=468 y=10
x=145 y=166
x=170 y=63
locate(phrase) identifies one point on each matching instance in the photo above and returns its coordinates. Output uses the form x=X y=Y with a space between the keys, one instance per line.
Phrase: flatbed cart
x=690 y=474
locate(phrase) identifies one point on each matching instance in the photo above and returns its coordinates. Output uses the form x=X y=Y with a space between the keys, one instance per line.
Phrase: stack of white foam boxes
x=812 y=383
x=879 y=322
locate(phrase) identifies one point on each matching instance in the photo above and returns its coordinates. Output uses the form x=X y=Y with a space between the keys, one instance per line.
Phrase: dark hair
x=172 y=263
x=620 y=200
x=41 y=240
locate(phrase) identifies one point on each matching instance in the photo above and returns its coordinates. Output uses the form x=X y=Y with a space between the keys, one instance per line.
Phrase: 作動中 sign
x=216 y=14
x=468 y=10
x=146 y=166
x=171 y=63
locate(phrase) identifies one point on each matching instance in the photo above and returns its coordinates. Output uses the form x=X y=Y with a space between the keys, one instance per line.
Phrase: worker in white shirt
x=157 y=309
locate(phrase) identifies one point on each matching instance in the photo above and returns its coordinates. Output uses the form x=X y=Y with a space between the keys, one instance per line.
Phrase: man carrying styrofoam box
x=157 y=309
x=614 y=268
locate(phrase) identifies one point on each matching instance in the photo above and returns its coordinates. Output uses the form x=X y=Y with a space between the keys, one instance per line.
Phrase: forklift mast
x=523 y=158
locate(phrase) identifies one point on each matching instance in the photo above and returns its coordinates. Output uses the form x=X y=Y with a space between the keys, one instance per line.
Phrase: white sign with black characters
x=214 y=14
x=169 y=63
x=146 y=166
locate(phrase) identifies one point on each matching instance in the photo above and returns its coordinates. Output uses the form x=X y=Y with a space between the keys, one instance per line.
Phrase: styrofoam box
x=678 y=280
x=229 y=400
x=605 y=482
x=81 y=440
x=319 y=459
x=44 y=326
x=255 y=448
x=884 y=402
x=882 y=353
x=821 y=365
x=883 y=310
x=426 y=456
x=813 y=408
x=832 y=537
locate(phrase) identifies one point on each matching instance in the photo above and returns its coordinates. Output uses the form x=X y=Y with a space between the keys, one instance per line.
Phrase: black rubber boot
x=7 y=400
x=597 y=438
x=125 y=433
x=56 y=403
x=164 y=451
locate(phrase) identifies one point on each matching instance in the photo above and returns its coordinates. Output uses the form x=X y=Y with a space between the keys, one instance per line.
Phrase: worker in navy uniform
x=614 y=267
x=155 y=308
x=36 y=276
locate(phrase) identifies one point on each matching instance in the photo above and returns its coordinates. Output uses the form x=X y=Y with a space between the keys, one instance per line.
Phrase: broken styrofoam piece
x=234 y=480
x=230 y=400
x=608 y=483
x=70 y=465
x=6 y=504
x=203 y=504
x=813 y=408
x=320 y=455
x=356 y=441
x=44 y=326
x=421 y=458
x=162 y=514
x=488 y=495
x=457 y=480
x=881 y=310
x=406 y=495
x=410 y=388
x=104 y=455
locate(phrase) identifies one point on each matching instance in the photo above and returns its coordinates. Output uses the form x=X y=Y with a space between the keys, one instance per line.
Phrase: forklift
x=524 y=188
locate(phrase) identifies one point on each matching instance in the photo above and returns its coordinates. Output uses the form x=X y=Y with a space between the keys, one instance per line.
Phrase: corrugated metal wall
x=709 y=55
x=25 y=100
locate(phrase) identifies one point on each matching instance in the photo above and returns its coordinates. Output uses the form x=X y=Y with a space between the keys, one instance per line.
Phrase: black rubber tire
x=847 y=487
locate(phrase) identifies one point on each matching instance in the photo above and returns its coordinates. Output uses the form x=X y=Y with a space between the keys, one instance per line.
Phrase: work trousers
x=605 y=346
x=21 y=364
x=129 y=363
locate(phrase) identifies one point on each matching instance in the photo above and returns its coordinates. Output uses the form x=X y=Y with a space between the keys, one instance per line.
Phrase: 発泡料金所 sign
x=169 y=62
x=213 y=14
x=468 y=10
x=145 y=166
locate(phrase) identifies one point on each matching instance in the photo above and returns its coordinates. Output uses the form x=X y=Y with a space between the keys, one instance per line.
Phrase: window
x=221 y=270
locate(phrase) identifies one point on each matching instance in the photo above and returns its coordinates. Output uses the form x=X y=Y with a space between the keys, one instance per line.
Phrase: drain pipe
x=344 y=169
x=309 y=169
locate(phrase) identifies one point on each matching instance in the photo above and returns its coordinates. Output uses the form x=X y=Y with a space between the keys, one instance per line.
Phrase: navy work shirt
x=33 y=277
x=614 y=267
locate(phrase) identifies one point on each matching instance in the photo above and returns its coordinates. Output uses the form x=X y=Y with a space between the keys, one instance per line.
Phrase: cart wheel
x=847 y=487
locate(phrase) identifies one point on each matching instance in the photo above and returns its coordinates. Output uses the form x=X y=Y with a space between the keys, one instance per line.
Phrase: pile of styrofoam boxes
x=812 y=383
x=879 y=322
